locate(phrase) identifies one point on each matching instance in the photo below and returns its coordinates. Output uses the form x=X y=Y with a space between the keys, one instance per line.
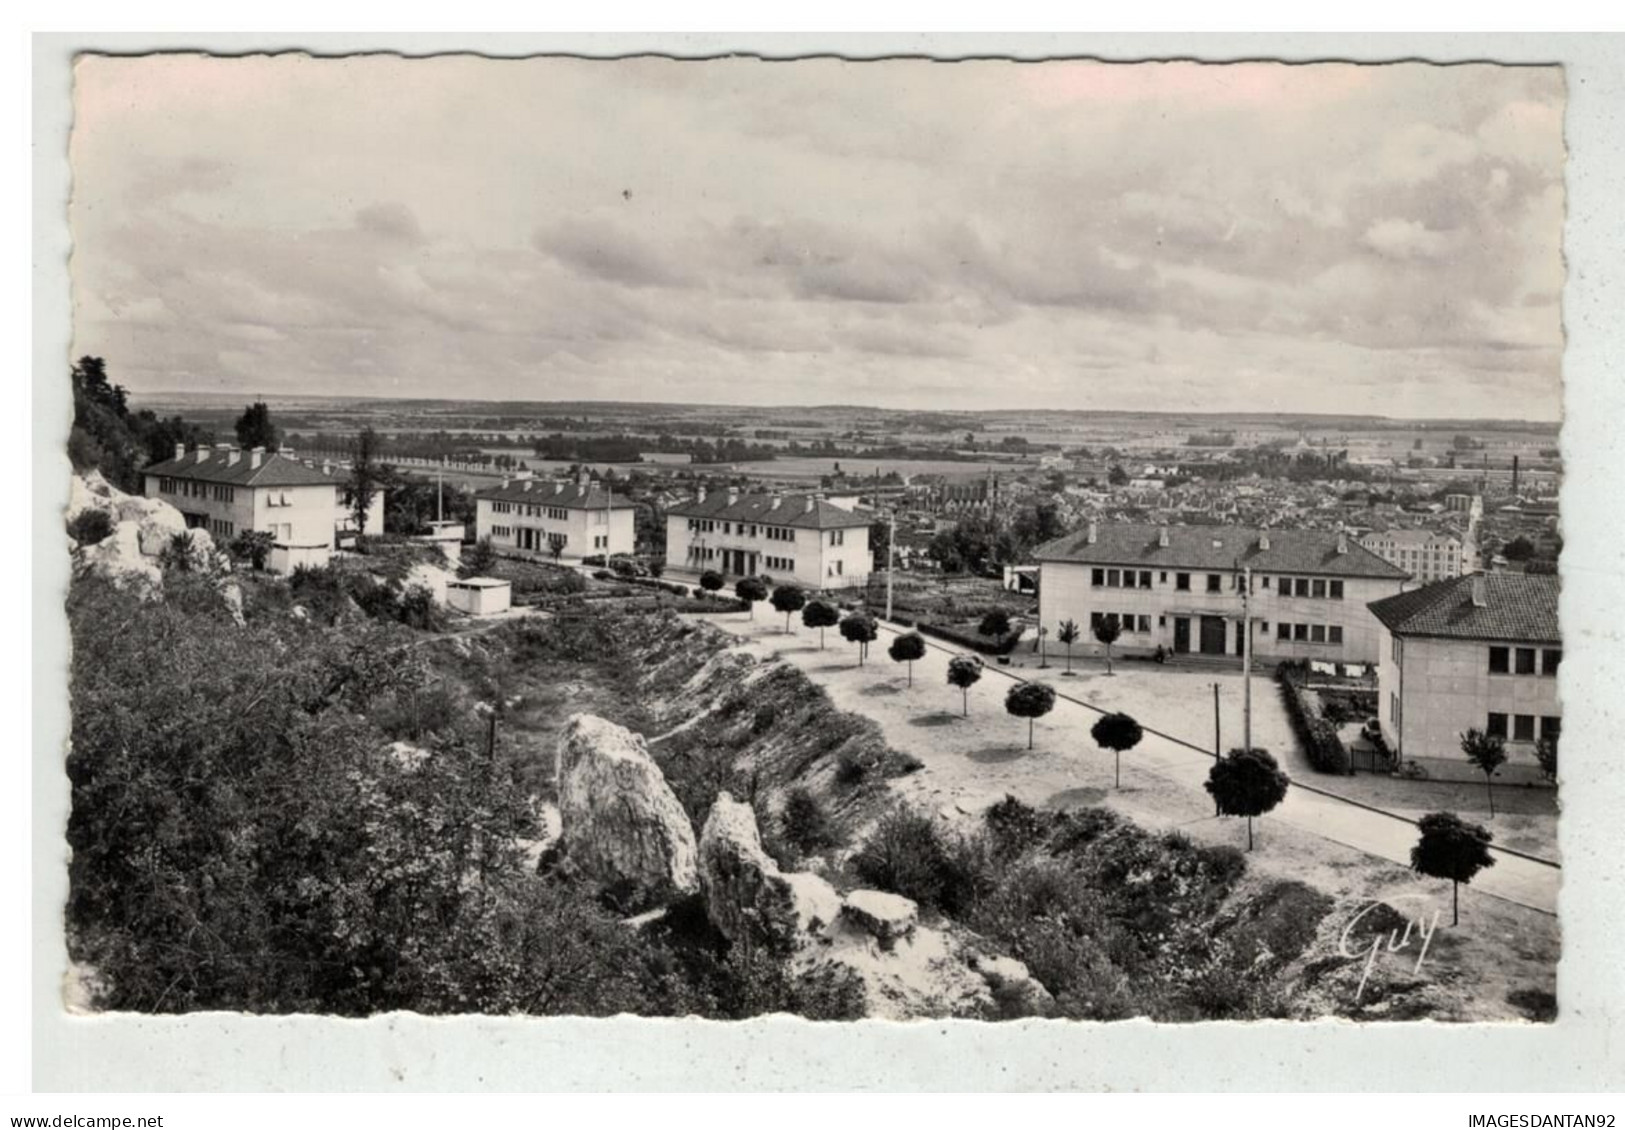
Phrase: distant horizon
x=271 y=399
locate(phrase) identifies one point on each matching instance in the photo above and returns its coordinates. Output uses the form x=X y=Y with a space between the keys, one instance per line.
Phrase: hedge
x=1325 y=750
x=1004 y=645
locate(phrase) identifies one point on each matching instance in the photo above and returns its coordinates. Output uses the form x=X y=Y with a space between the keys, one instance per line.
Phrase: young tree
x=1450 y=848
x=711 y=581
x=964 y=672
x=1546 y=754
x=1030 y=701
x=255 y=429
x=252 y=546
x=478 y=559
x=860 y=629
x=820 y=614
x=1043 y=658
x=1117 y=732
x=1069 y=634
x=750 y=590
x=1246 y=782
x=788 y=599
x=1488 y=753
x=995 y=625
x=1107 y=631
x=906 y=649
x=657 y=567
x=364 y=476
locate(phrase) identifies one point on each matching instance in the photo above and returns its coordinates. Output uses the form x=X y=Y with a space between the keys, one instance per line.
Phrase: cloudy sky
x=1175 y=236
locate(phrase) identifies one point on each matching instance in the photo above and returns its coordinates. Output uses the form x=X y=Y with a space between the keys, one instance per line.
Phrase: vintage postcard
x=891 y=540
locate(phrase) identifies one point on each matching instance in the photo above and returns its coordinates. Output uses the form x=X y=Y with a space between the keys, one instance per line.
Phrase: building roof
x=1409 y=537
x=793 y=510
x=557 y=492
x=1517 y=606
x=1217 y=549
x=275 y=470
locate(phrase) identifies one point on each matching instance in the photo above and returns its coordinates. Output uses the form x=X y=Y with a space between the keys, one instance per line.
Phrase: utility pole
x=891 y=555
x=1246 y=657
x=1215 y=720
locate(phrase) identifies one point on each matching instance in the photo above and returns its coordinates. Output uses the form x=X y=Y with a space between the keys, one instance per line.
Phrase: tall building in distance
x=1427 y=556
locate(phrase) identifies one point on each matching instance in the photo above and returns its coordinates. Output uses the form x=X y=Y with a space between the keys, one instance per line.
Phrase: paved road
x=1515 y=878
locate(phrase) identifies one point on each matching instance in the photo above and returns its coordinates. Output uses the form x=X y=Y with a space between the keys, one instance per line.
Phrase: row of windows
x=187 y=488
x=781 y=564
x=220 y=528
x=502 y=531
x=1521 y=660
x=1308 y=633
x=1523 y=726
x=1319 y=588
x=1128 y=621
x=752 y=530
x=600 y=541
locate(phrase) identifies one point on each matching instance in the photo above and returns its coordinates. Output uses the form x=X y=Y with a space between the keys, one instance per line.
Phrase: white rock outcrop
x=620 y=823
x=747 y=897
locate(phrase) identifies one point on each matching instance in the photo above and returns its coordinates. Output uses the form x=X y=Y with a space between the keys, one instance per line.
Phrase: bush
x=909 y=854
x=805 y=823
x=1318 y=737
x=1002 y=645
x=90 y=526
x=1014 y=827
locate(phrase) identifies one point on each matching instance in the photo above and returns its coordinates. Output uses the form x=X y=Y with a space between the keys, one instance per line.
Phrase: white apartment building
x=564 y=520
x=1425 y=555
x=1180 y=588
x=803 y=538
x=226 y=491
x=1480 y=651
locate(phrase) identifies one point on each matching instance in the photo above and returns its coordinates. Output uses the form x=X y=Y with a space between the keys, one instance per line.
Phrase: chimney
x=733 y=495
x=1342 y=542
x=527 y=484
x=699 y=495
x=285 y=450
x=584 y=480
x=1264 y=541
x=811 y=503
x=1479 y=600
x=202 y=453
x=778 y=501
x=233 y=456
x=1162 y=538
x=1092 y=535
x=558 y=486
x=180 y=451
x=327 y=466
x=506 y=482
x=256 y=456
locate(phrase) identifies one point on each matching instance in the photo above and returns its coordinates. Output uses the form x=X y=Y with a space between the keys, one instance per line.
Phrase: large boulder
x=884 y=917
x=747 y=897
x=118 y=557
x=620 y=823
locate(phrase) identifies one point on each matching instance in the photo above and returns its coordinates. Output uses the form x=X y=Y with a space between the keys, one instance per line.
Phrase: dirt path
x=970 y=762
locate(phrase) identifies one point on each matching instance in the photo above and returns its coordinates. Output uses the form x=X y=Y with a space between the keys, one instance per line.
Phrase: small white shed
x=480 y=596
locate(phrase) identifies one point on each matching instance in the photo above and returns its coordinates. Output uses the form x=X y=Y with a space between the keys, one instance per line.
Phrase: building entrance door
x=1182 y=634
x=1213 y=635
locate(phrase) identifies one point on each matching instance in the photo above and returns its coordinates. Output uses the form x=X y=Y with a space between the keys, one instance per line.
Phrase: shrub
x=909 y=854
x=1013 y=827
x=1000 y=645
x=1318 y=737
x=805 y=823
x=90 y=526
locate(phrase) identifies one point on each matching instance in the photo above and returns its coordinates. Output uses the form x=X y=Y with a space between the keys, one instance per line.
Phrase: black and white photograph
x=891 y=539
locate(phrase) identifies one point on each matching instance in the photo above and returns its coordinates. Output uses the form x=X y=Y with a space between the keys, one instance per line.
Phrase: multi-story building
x=562 y=519
x=227 y=491
x=1180 y=588
x=795 y=537
x=1480 y=651
x=1425 y=555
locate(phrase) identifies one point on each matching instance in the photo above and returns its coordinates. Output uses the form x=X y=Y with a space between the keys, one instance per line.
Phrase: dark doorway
x=1241 y=638
x=1213 y=635
x=1182 y=634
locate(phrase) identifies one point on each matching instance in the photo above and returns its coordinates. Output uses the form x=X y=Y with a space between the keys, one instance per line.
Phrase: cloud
x=975 y=234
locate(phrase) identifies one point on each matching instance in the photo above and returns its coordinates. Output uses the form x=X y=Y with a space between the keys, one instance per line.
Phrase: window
x=1094 y=620
x=1283 y=631
x=1214 y=582
x=1334 y=634
x=1145 y=578
x=1114 y=578
x=1526 y=661
x=1318 y=590
x=1550 y=727
x=1523 y=727
x=1162 y=578
x=1549 y=659
x=1317 y=633
x=1097 y=577
x=1497 y=727
x=1300 y=586
x=1162 y=621
x=837 y=537
x=1395 y=652
x=1182 y=582
x=1499 y=657
x=1128 y=578
x=1264 y=581
x=1334 y=589
x=1300 y=632
x=1145 y=623
x=1393 y=708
